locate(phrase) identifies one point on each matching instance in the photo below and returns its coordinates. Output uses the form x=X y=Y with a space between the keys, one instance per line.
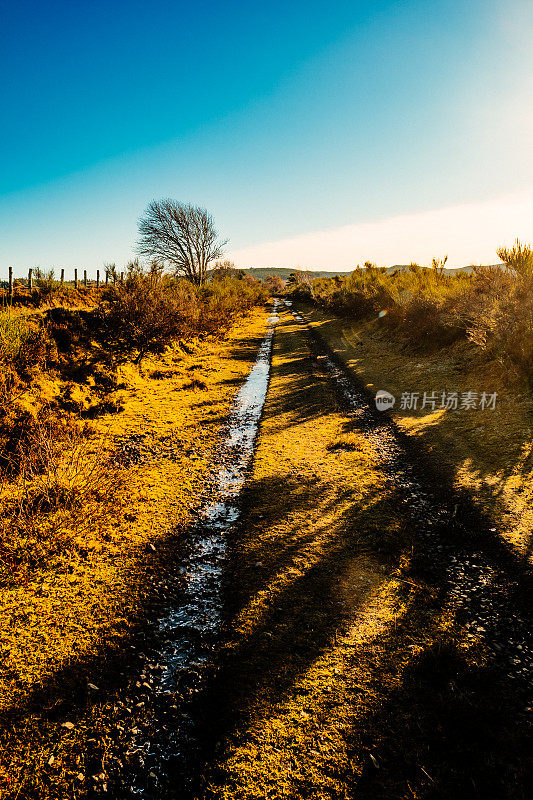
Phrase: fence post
x=62 y=277
x=106 y=277
x=122 y=277
x=114 y=278
x=97 y=278
x=75 y=278
x=11 y=284
x=85 y=278
x=30 y=279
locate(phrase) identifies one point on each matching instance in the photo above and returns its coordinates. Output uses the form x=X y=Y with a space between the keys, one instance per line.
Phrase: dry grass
x=312 y=587
x=489 y=453
x=346 y=674
x=64 y=616
x=490 y=307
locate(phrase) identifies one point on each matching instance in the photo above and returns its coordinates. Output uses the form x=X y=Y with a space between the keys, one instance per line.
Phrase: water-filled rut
x=164 y=756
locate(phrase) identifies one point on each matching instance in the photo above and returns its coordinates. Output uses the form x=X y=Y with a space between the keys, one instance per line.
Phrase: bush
x=225 y=298
x=24 y=345
x=518 y=258
x=46 y=284
x=65 y=490
x=491 y=307
x=149 y=309
x=143 y=313
x=14 y=333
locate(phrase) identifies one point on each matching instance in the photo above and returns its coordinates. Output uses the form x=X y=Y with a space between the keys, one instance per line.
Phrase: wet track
x=479 y=582
x=164 y=753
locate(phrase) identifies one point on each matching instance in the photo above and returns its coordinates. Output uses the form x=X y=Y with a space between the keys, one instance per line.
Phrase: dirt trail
x=347 y=628
x=379 y=639
x=488 y=586
x=164 y=748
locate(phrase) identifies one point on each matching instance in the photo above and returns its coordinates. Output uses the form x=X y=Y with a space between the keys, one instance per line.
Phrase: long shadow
x=301 y=621
x=460 y=518
x=443 y=470
x=445 y=709
x=469 y=722
x=303 y=611
x=450 y=726
x=65 y=693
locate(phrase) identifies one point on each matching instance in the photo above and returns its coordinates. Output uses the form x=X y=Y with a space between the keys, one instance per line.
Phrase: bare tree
x=181 y=236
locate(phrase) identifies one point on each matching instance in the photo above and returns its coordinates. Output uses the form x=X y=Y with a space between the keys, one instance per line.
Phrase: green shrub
x=14 y=333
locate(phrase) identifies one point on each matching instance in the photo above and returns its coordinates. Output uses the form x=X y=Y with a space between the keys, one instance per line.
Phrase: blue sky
x=283 y=119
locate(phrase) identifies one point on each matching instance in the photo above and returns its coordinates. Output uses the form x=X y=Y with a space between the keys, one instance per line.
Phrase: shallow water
x=187 y=635
x=194 y=625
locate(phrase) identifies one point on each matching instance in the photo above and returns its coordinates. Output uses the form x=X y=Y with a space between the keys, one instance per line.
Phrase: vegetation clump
x=150 y=308
x=431 y=307
x=60 y=368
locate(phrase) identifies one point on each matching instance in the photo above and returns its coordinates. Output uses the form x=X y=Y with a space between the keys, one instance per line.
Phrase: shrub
x=491 y=307
x=14 y=333
x=227 y=297
x=46 y=284
x=143 y=313
x=66 y=489
x=24 y=345
x=150 y=309
x=519 y=258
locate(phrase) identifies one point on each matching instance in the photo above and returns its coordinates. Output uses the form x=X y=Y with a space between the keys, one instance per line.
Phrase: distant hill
x=448 y=270
x=284 y=272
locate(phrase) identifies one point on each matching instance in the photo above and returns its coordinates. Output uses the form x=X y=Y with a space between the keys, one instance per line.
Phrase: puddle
x=192 y=628
x=165 y=751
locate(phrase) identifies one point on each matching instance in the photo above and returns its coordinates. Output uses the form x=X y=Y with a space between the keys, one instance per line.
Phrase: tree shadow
x=418 y=474
x=304 y=611
x=450 y=728
x=445 y=725
x=449 y=720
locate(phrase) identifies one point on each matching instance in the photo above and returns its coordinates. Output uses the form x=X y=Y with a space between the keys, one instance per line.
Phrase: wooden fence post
x=97 y=278
x=106 y=277
x=11 y=284
x=122 y=277
x=30 y=279
x=62 y=277
x=75 y=278
x=114 y=278
x=85 y=278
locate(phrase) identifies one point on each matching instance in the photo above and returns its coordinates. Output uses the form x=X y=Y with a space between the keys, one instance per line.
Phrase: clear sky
x=318 y=134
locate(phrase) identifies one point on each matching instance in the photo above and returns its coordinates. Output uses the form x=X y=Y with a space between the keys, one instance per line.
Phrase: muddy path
x=488 y=586
x=380 y=635
x=482 y=585
x=344 y=625
x=164 y=703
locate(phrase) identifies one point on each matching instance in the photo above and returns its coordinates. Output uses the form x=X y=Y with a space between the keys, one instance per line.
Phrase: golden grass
x=83 y=604
x=345 y=674
x=488 y=453
x=313 y=591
